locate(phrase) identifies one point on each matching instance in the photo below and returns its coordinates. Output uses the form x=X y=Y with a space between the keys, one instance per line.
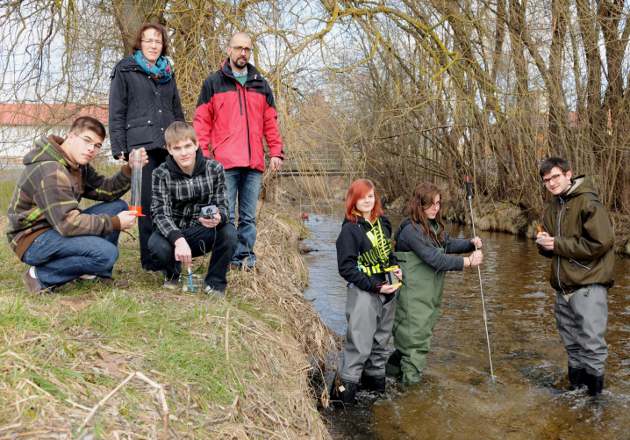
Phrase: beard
x=240 y=62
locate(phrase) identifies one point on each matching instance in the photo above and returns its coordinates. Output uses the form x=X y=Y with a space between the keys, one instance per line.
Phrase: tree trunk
x=132 y=14
x=557 y=118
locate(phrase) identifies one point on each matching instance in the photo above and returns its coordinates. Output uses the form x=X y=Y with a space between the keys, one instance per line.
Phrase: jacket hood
x=366 y=225
x=47 y=149
x=200 y=165
x=127 y=63
x=406 y=221
x=581 y=185
x=360 y=221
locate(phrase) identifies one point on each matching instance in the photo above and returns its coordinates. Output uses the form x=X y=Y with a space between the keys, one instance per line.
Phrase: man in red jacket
x=234 y=112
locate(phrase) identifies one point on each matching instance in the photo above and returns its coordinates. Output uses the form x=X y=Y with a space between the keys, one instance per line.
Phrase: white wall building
x=22 y=123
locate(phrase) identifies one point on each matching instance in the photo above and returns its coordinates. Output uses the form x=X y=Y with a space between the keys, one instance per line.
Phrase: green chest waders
x=417 y=312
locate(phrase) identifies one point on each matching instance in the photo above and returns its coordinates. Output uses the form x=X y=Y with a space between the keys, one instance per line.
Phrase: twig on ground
x=227 y=336
x=162 y=397
x=102 y=402
x=6 y=428
x=145 y=379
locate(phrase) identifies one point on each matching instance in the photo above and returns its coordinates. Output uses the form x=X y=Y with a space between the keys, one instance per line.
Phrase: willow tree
x=427 y=89
x=490 y=89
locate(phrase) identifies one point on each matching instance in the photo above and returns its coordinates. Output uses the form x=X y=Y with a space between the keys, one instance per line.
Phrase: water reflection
x=456 y=400
x=326 y=288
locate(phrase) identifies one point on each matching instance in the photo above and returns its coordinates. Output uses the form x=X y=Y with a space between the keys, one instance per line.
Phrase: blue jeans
x=58 y=259
x=243 y=183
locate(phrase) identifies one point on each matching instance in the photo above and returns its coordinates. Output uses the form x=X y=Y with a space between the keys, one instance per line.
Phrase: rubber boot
x=343 y=392
x=375 y=384
x=576 y=378
x=594 y=383
x=392 y=368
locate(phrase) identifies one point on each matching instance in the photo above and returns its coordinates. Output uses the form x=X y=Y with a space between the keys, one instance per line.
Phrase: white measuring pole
x=469 y=196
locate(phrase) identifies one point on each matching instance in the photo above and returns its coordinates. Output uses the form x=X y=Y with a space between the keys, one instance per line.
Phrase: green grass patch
x=196 y=361
x=116 y=315
x=6 y=192
x=174 y=340
x=47 y=386
x=256 y=312
x=15 y=315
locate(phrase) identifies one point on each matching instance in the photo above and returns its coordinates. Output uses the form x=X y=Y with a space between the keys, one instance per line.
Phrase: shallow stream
x=456 y=399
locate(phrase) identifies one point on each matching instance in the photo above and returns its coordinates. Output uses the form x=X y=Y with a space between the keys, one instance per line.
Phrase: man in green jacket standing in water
x=579 y=239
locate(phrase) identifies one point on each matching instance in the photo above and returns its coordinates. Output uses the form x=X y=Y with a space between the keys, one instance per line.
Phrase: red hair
x=358 y=190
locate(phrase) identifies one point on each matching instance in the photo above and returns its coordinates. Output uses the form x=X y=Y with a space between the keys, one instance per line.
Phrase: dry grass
x=622 y=233
x=145 y=363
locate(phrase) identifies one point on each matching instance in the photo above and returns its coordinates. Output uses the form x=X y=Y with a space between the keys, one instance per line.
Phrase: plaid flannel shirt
x=178 y=197
x=48 y=193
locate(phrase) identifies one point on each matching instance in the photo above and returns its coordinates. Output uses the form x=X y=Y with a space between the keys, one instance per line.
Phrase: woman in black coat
x=143 y=102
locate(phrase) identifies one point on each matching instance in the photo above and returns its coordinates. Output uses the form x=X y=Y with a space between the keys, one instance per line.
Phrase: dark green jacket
x=48 y=193
x=583 y=251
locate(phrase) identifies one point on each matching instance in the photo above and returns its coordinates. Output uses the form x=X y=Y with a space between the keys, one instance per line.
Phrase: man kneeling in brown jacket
x=47 y=229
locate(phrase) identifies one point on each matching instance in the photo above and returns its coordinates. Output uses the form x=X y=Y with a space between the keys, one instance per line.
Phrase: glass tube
x=135 y=162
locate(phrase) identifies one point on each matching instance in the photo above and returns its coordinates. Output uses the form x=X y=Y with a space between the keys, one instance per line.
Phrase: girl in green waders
x=422 y=246
x=364 y=257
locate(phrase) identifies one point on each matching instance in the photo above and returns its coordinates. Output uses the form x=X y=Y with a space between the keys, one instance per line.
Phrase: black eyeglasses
x=241 y=49
x=550 y=179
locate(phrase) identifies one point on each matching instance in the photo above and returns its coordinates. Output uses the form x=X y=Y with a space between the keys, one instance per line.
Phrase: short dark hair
x=137 y=45
x=88 y=123
x=552 y=162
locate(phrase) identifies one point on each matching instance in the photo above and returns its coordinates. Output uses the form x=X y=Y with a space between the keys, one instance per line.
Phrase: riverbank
x=491 y=216
x=141 y=361
x=510 y=218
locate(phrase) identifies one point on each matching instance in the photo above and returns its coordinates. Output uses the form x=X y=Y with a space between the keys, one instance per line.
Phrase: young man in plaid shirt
x=182 y=186
x=48 y=230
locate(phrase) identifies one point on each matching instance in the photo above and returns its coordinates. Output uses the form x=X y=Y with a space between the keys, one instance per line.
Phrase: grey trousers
x=370 y=323
x=582 y=324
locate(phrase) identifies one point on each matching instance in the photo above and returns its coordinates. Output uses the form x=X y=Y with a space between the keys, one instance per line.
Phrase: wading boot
x=375 y=384
x=408 y=382
x=392 y=368
x=576 y=378
x=594 y=383
x=343 y=393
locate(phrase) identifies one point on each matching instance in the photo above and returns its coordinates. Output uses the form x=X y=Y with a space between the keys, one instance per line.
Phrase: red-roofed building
x=22 y=123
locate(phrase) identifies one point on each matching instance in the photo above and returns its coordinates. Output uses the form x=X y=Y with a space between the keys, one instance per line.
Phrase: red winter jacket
x=231 y=120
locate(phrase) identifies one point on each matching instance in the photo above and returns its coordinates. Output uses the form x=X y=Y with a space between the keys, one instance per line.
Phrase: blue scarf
x=161 y=71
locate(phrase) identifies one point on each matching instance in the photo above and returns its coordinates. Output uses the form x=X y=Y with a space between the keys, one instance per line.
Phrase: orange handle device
x=137 y=210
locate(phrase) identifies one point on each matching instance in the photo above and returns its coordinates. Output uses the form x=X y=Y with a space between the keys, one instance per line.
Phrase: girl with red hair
x=364 y=256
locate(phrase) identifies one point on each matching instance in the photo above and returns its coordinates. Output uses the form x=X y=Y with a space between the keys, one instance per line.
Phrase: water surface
x=456 y=399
